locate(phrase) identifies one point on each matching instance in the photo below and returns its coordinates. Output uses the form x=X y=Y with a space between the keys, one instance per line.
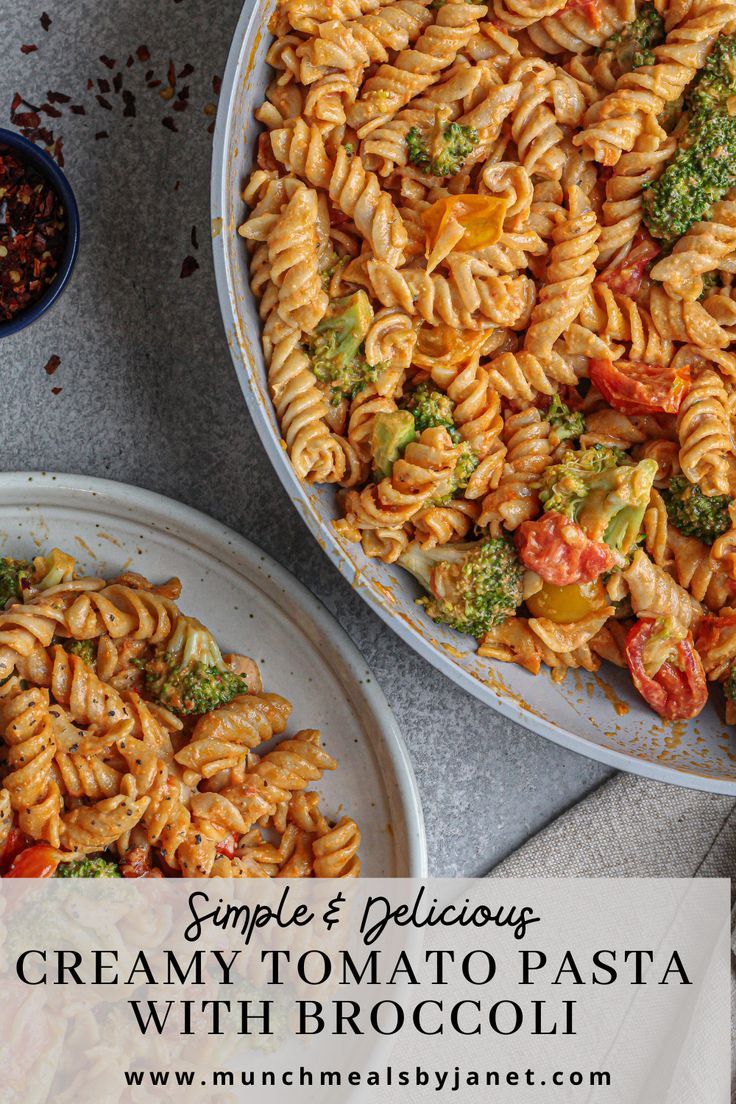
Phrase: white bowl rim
x=222 y=542
x=219 y=196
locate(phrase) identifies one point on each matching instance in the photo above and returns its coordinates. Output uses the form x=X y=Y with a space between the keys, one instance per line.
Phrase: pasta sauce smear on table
x=130 y=746
x=495 y=249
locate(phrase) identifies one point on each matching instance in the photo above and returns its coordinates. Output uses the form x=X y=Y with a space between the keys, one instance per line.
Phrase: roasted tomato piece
x=677 y=691
x=227 y=846
x=626 y=278
x=560 y=552
x=136 y=864
x=39 y=861
x=15 y=842
x=590 y=8
x=636 y=388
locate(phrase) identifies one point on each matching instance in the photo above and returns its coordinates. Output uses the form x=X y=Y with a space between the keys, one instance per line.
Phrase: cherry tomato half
x=636 y=388
x=227 y=846
x=566 y=604
x=678 y=691
x=39 y=861
x=560 y=552
x=15 y=842
x=626 y=278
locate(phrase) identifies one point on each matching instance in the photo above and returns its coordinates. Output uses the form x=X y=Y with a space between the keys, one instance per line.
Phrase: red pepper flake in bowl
x=33 y=234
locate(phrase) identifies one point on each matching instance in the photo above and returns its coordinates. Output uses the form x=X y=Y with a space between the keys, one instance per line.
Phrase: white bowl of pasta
x=496 y=321
x=154 y=674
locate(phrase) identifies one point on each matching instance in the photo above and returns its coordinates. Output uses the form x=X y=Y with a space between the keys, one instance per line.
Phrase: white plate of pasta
x=476 y=270
x=175 y=703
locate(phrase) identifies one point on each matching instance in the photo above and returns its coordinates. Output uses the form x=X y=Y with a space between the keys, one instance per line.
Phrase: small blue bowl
x=48 y=168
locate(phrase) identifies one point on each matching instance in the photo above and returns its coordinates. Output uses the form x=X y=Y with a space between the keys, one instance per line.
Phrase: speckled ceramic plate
x=600 y=716
x=252 y=605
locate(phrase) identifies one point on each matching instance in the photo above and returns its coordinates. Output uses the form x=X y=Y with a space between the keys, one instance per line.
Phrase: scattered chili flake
x=149 y=74
x=90 y=84
x=153 y=84
x=117 y=82
x=109 y=62
x=56 y=390
x=177 y=186
x=29 y=48
x=103 y=85
x=52 y=364
x=179 y=105
x=57 y=97
x=216 y=85
x=45 y=20
x=52 y=112
x=186 y=71
x=16 y=102
x=211 y=127
x=56 y=152
x=171 y=74
x=78 y=109
x=193 y=236
x=129 y=101
x=32 y=234
x=130 y=62
x=143 y=54
x=101 y=134
x=188 y=266
x=104 y=103
x=169 y=123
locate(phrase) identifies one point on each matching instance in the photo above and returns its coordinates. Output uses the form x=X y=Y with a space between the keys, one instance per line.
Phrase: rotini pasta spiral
x=655 y=594
x=426 y=465
x=704 y=431
x=26 y=726
x=412 y=70
x=697 y=252
x=351 y=188
x=570 y=273
x=362 y=41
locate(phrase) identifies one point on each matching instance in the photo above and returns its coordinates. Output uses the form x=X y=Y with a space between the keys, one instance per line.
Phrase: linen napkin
x=632 y=827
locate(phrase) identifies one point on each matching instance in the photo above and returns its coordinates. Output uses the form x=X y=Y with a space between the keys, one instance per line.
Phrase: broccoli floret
x=715 y=83
x=471 y=586
x=85 y=649
x=465 y=465
x=565 y=423
x=431 y=407
x=188 y=674
x=443 y=153
x=695 y=514
x=631 y=45
x=336 y=347
x=729 y=685
x=711 y=280
x=88 y=868
x=601 y=490
x=703 y=168
x=12 y=576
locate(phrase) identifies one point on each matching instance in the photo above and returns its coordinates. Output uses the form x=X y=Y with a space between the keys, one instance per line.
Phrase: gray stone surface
x=148 y=394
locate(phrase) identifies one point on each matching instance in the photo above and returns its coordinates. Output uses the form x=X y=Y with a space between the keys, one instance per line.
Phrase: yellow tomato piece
x=446 y=346
x=481 y=217
x=565 y=604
